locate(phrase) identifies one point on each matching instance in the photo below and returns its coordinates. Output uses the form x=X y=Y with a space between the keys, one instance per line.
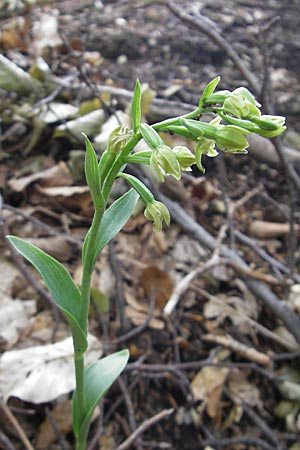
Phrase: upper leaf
x=92 y=173
x=136 y=107
x=112 y=222
x=209 y=89
x=64 y=291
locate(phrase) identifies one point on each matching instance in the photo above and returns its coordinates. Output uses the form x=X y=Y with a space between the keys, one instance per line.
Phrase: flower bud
x=241 y=103
x=151 y=136
x=164 y=162
x=184 y=156
x=231 y=139
x=158 y=213
x=117 y=139
x=268 y=122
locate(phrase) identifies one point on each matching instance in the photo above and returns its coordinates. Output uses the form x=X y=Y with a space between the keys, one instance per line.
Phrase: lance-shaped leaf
x=98 y=377
x=113 y=220
x=145 y=193
x=64 y=291
x=209 y=89
x=92 y=174
x=136 y=107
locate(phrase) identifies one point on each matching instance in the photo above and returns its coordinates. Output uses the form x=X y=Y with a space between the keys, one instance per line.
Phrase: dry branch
x=259 y=289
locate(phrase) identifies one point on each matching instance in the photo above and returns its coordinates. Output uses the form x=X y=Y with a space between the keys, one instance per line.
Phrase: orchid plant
x=237 y=114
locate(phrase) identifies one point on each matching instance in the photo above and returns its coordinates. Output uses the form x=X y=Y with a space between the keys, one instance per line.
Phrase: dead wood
x=259 y=289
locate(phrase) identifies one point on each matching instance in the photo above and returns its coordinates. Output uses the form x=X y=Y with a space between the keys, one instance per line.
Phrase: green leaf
x=98 y=377
x=64 y=291
x=112 y=222
x=209 y=89
x=145 y=194
x=92 y=174
x=136 y=107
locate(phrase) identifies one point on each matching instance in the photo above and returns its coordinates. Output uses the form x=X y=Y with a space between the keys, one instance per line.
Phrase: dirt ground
x=222 y=371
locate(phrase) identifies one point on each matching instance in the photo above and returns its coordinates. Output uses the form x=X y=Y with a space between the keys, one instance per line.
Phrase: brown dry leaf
x=73 y=198
x=208 y=386
x=107 y=440
x=56 y=246
x=58 y=175
x=241 y=390
x=268 y=230
x=137 y=312
x=158 y=283
x=62 y=415
x=15 y=33
x=139 y=318
x=42 y=373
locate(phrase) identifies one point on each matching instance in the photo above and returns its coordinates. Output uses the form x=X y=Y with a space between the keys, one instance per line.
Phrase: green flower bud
x=230 y=138
x=268 y=122
x=150 y=136
x=184 y=156
x=158 y=213
x=117 y=139
x=241 y=103
x=164 y=162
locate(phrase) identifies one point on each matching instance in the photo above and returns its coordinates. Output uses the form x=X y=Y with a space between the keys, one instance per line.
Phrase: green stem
x=191 y=115
x=79 y=375
x=88 y=266
x=119 y=162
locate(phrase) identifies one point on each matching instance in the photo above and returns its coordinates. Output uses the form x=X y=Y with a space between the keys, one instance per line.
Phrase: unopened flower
x=230 y=138
x=268 y=123
x=164 y=162
x=117 y=139
x=158 y=213
x=184 y=156
x=241 y=103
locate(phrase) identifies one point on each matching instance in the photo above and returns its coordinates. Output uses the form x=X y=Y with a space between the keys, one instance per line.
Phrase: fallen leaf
x=207 y=386
x=58 y=175
x=41 y=374
x=61 y=414
x=158 y=283
x=14 y=318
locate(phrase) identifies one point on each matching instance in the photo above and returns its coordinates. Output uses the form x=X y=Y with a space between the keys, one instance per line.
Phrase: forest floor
x=222 y=370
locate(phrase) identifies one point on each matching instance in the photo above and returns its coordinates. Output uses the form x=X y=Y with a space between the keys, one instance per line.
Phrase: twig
x=143 y=427
x=200 y=23
x=195 y=365
x=185 y=283
x=17 y=426
x=4 y=441
x=229 y=442
x=59 y=435
x=259 y=289
x=232 y=312
x=239 y=348
x=130 y=409
x=262 y=425
x=277 y=265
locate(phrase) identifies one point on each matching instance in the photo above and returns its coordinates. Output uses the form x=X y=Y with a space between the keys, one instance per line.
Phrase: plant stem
x=160 y=125
x=119 y=162
x=88 y=266
x=79 y=375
